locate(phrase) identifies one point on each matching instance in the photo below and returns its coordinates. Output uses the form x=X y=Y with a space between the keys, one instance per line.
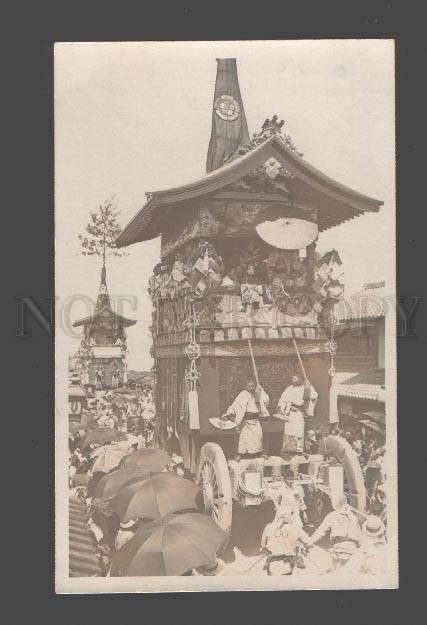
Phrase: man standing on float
x=295 y=404
x=245 y=411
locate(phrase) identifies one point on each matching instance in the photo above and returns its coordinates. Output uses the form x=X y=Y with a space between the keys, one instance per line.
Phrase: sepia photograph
x=225 y=341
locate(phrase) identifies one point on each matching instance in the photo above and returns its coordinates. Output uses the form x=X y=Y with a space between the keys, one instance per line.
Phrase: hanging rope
x=253 y=362
x=299 y=357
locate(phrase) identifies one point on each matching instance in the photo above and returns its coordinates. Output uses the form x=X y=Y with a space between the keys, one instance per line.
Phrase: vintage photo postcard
x=225 y=334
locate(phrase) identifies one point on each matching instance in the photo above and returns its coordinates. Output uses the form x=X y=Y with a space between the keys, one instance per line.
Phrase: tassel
x=206 y=261
x=193 y=408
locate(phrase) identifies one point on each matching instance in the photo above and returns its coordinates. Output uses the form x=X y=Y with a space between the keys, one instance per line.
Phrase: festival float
x=241 y=292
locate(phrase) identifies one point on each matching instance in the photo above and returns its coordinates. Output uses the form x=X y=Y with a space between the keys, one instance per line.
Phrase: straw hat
x=127 y=525
x=373 y=526
x=211 y=570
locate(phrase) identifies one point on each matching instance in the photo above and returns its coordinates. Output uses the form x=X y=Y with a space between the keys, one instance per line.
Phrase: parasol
x=109 y=459
x=155 y=498
x=87 y=422
x=96 y=477
x=81 y=479
x=101 y=436
x=111 y=483
x=172 y=547
x=119 y=399
x=155 y=459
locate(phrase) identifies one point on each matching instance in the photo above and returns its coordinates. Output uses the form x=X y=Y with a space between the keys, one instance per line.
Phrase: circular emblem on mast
x=227 y=108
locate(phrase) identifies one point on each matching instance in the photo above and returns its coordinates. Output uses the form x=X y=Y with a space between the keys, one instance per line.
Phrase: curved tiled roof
x=369 y=303
x=352 y=203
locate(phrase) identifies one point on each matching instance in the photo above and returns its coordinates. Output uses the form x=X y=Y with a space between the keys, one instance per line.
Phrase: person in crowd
x=149 y=433
x=358 y=447
x=95 y=528
x=343 y=530
x=81 y=460
x=141 y=439
x=295 y=404
x=373 y=467
x=72 y=467
x=280 y=541
x=245 y=411
x=104 y=557
x=349 y=437
x=104 y=524
x=291 y=497
x=125 y=532
x=311 y=442
x=110 y=420
x=99 y=378
x=372 y=557
x=177 y=464
x=133 y=439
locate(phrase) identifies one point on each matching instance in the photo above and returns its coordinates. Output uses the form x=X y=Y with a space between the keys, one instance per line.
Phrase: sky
x=135 y=117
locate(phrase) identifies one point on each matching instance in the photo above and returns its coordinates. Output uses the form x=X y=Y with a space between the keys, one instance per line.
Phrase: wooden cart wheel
x=342 y=450
x=214 y=480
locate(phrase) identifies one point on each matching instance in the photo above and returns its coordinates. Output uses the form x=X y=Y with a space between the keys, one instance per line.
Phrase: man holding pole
x=295 y=404
x=245 y=411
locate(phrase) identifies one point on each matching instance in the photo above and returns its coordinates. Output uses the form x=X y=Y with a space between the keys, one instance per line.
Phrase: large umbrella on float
x=110 y=484
x=155 y=498
x=155 y=459
x=102 y=435
x=170 y=547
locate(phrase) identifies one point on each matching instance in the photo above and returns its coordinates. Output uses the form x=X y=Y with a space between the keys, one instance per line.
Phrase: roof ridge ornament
x=271 y=127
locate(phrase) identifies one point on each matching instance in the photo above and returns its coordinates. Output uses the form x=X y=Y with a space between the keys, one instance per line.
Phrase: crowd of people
x=345 y=542
x=130 y=414
x=343 y=539
x=370 y=448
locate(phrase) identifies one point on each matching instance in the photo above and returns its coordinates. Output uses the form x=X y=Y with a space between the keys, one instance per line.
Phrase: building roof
x=83 y=559
x=371 y=376
x=103 y=314
x=369 y=303
x=365 y=385
x=342 y=203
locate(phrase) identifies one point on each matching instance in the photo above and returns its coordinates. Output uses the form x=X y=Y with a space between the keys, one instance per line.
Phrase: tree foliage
x=101 y=232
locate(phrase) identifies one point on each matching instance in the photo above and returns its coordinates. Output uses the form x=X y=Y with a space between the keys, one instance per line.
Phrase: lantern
x=287 y=227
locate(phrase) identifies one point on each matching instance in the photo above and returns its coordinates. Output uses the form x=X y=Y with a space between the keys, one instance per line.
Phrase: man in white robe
x=295 y=404
x=245 y=411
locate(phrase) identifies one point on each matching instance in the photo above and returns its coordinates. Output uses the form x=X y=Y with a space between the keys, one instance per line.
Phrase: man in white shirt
x=245 y=411
x=372 y=557
x=295 y=404
x=291 y=497
x=280 y=541
x=343 y=530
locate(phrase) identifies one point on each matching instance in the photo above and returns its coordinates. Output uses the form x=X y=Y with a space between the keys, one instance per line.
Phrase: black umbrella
x=170 y=547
